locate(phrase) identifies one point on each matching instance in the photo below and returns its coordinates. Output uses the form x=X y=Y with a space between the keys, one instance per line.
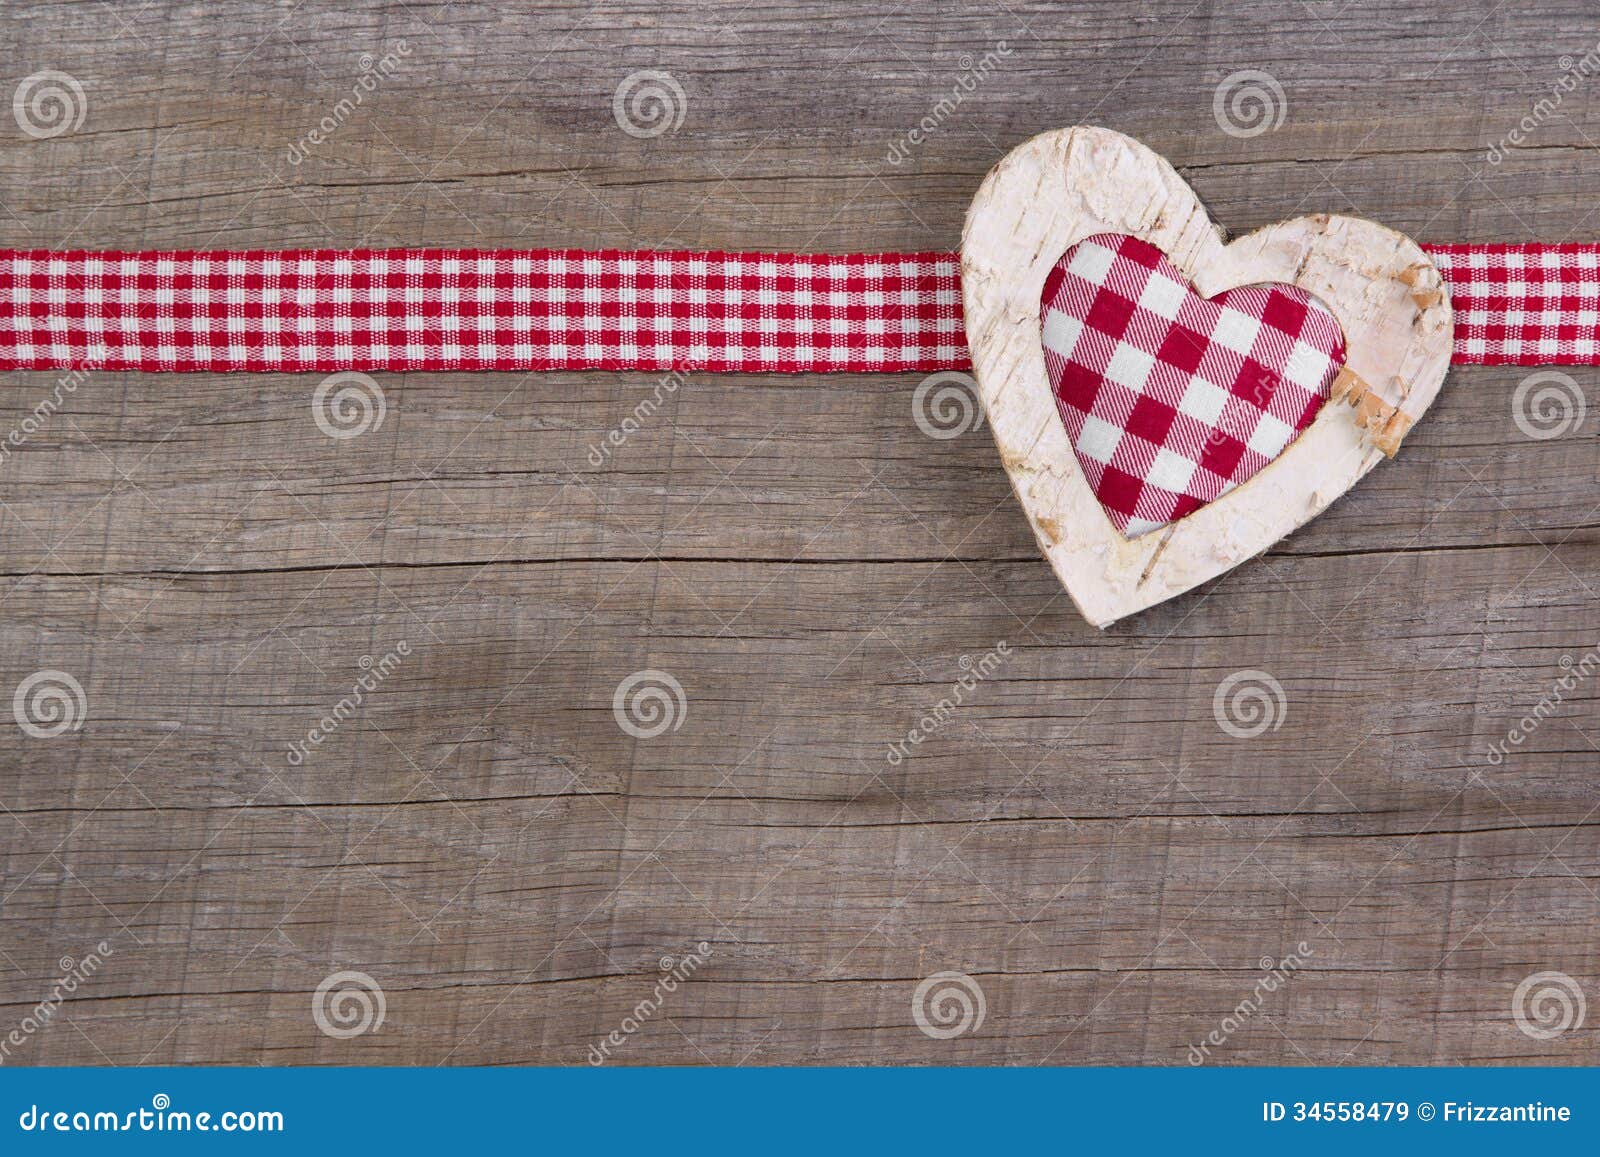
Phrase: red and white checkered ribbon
x=452 y=309
x=1523 y=305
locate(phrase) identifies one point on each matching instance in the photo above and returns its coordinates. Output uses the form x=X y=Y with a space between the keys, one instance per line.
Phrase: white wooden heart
x=1058 y=188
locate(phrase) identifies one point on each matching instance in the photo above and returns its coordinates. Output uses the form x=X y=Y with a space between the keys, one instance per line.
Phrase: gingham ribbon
x=456 y=309
x=452 y=309
x=1525 y=304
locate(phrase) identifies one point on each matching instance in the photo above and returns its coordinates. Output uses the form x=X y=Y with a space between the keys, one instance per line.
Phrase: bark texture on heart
x=1059 y=188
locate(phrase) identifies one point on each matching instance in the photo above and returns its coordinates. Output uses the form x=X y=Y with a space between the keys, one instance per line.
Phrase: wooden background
x=482 y=838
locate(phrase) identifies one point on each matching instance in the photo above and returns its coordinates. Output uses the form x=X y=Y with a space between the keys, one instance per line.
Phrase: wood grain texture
x=1077 y=834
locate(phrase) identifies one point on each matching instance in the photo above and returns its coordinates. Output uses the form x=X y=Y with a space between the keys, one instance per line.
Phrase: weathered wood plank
x=483 y=838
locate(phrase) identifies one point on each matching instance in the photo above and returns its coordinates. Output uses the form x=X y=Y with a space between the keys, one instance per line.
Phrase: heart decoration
x=1055 y=358
x=1171 y=399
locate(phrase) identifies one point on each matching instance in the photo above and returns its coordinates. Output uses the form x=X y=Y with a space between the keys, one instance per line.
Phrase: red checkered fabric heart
x=1171 y=400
